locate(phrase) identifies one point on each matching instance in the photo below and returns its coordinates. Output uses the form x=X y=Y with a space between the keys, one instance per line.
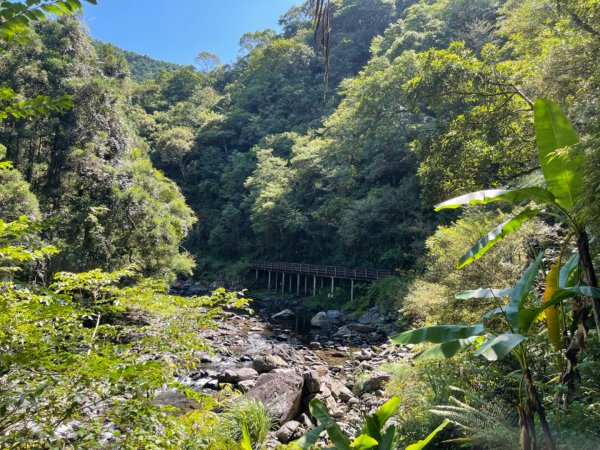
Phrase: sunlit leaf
x=495 y=236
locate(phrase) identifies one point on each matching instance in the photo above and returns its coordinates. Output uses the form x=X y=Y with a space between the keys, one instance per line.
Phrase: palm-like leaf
x=528 y=194
x=495 y=236
x=561 y=158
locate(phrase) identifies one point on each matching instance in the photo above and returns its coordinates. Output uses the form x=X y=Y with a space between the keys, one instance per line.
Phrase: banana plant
x=562 y=160
x=520 y=314
x=373 y=436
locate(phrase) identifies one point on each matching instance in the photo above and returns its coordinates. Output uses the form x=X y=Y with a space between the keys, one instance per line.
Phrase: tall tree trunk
x=527 y=425
x=588 y=274
x=534 y=404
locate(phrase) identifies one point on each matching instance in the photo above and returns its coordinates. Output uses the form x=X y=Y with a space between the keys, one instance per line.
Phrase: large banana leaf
x=423 y=443
x=484 y=293
x=446 y=349
x=310 y=438
x=567 y=270
x=532 y=193
x=527 y=316
x=438 y=334
x=375 y=423
x=387 y=442
x=497 y=347
x=364 y=442
x=319 y=412
x=385 y=411
x=561 y=157
x=495 y=236
x=521 y=291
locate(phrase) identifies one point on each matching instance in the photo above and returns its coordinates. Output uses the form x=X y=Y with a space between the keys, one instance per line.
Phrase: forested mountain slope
x=436 y=101
x=141 y=67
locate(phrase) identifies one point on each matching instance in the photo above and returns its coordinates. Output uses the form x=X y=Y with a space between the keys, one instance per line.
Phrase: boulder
x=335 y=317
x=237 y=375
x=339 y=391
x=246 y=385
x=361 y=328
x=319 y=320
x=286 y=314
x=281 y=392
x=288 y=431
x=266 y=362
x=343 y=332
x=312 y=382
x=370 y=316
x=375 y=382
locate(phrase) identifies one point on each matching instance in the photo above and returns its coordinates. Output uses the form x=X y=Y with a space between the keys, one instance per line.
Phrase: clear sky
x=177 y=30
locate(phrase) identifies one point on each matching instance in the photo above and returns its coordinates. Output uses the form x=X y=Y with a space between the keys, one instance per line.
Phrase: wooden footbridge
x=306 y=271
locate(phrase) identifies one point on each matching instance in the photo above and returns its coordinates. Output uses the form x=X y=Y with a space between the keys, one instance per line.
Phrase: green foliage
x=17 y=18
x=488 y=425
x=246 y=421
x=375 y=434
x=553 y=133
x=16 y=198
x=90 y=348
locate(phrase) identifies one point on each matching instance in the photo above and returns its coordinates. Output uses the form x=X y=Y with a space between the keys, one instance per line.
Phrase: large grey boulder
x=375 y=381
x=325 y=318
x=266 y=362
x=237 y=375
x=288 y=431
x=319 y=319
x=361 y=328
x=281 y=392
x=335 y=317
x=312 y=381
x=286 y=314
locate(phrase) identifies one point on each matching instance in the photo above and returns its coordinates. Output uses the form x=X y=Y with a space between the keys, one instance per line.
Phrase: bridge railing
x=323 y=271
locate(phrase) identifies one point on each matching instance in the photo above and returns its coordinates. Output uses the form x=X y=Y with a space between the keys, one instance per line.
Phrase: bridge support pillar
x=351 y=290
x=314 y=285
x=256 y=278
x=305 y=278
x=321 y=290
x=269 y=285
x=298 y=284
x=332 y=284
x=291 y=283
x=282 y=282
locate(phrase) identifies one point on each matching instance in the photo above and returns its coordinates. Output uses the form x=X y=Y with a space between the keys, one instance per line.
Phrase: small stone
x=314 y=345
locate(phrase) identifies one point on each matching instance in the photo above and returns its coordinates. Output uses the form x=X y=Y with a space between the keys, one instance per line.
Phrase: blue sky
x=177 y=30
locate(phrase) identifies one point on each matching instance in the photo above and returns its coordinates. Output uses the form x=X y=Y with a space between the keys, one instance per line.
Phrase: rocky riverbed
x=285 y=355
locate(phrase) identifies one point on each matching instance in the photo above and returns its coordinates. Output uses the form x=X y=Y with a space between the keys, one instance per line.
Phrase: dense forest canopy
x=121 y=174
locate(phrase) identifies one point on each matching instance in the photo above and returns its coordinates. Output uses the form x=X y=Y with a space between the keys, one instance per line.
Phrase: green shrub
x=249 y=414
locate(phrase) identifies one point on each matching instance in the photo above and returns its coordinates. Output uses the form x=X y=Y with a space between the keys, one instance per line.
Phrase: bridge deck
x=360 y=274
